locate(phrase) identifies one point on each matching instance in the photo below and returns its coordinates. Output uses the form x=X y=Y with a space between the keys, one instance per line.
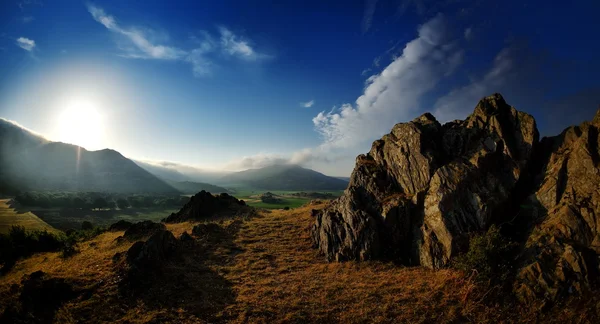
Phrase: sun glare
x=81 y=124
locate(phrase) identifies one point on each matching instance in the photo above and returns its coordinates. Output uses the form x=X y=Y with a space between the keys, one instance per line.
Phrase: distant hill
x=283 y=177
x=162 y=172
x=347 y=179
x=30 y=162
x=189 y=187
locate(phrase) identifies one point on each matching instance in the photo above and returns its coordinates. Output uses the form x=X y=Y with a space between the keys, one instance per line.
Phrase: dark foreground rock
x=161 y=246
x=40 y=296
x=204 y=205
x=121 y=225
x=425 y=188
x=143 y=229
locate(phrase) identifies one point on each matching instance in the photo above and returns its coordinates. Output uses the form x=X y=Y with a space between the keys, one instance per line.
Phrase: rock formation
x=424 y=188
x=204 y=205
x=562 y=252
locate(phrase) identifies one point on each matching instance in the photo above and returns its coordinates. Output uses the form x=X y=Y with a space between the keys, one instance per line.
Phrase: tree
x=100 y=203
x=122 y=203
x=86 y=226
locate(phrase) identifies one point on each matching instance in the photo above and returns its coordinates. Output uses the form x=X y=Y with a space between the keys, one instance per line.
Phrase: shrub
x=86 y=226
x=489 y=257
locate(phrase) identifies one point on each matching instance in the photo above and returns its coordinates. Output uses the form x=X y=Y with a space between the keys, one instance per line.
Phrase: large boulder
x=423 y=188
x=204 y=205
x=143 y=229
x=154 y=252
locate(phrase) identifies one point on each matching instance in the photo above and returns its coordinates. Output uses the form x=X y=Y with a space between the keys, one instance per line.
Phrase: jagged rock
x=156 y=250
x=142 y=229
x=204 y=205
x=121 y=225
x=562 y=252
x=424 y=187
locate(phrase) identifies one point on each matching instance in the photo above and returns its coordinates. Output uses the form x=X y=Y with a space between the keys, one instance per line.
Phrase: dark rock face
x=562 y=251
x=121 y=225
x=204 y=205
x=142 y=229
x=156 y=250
x=424 y=187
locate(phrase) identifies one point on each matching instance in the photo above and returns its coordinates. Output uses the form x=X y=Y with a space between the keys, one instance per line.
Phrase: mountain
x=162 y=172
x=424 y=190
x=190 y=187
x=30 y=162
x=283 y=177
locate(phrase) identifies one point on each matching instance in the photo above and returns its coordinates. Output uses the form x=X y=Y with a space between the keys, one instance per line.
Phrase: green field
x=249 y=195
x=72 y=218
x=10 y=216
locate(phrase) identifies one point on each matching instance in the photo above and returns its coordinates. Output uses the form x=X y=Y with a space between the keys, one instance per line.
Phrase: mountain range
x=29 y=162
x=283 y=177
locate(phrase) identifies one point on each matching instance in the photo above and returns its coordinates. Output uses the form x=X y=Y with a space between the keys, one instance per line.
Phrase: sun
x=81 y=124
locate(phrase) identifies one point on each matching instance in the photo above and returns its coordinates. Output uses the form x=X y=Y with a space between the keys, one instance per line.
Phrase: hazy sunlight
x=81 y=124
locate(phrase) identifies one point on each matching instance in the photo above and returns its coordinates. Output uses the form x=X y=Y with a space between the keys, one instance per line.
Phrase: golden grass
x=267 y=272
x=10 y=217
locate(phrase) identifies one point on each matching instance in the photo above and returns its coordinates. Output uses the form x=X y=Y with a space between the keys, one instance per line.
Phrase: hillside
x=190 y=187
x=283 y=177
x=263 y=269
x=30 y=162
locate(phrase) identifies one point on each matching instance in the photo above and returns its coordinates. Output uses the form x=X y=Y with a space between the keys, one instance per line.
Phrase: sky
x=232 y=85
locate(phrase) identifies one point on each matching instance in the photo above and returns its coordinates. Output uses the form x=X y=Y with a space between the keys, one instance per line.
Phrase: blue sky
x=240 y=84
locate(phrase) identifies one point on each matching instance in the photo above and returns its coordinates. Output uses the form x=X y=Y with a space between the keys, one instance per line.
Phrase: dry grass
x=10 y=217
x=265 y=271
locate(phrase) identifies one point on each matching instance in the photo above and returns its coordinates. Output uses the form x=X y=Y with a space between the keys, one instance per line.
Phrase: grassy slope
x=9 y=217
x=269 y=273
x=68 y=218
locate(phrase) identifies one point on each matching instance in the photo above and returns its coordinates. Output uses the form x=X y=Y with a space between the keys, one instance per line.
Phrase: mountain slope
x=30 y=162
x=284 y=177
x=190 y=187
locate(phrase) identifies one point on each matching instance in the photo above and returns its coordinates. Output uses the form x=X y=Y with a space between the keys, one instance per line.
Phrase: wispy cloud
x=26 y=43
x=370 y=6
x=234 y=45
x=27 y=19
x=141 y=46
x=468 y=33
x=307 y=104
x=24 y=3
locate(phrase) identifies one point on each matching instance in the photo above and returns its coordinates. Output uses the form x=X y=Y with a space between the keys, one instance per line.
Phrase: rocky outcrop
x=143 y=229
x=154 y=252
x=424 y=187
x=204 y=205
x=562 y=252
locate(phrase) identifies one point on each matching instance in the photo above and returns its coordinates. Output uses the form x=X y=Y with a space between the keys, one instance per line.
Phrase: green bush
x=489 y=258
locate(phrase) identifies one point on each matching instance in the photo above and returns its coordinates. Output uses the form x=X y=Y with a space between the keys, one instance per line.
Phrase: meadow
x=287 y=198
x=67 y=218
x=10 y=216
x=266 y=271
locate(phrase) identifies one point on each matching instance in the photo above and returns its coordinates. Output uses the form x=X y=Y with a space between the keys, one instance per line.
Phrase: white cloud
x=307 y=104
x=27 y=19
x=468 y=33
x=26 y=43
x=234 y=45
x=260 y=160
x=370 y=6
x=140 y=45
x=460 y=102
x=393 y=95
x=143 y=47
